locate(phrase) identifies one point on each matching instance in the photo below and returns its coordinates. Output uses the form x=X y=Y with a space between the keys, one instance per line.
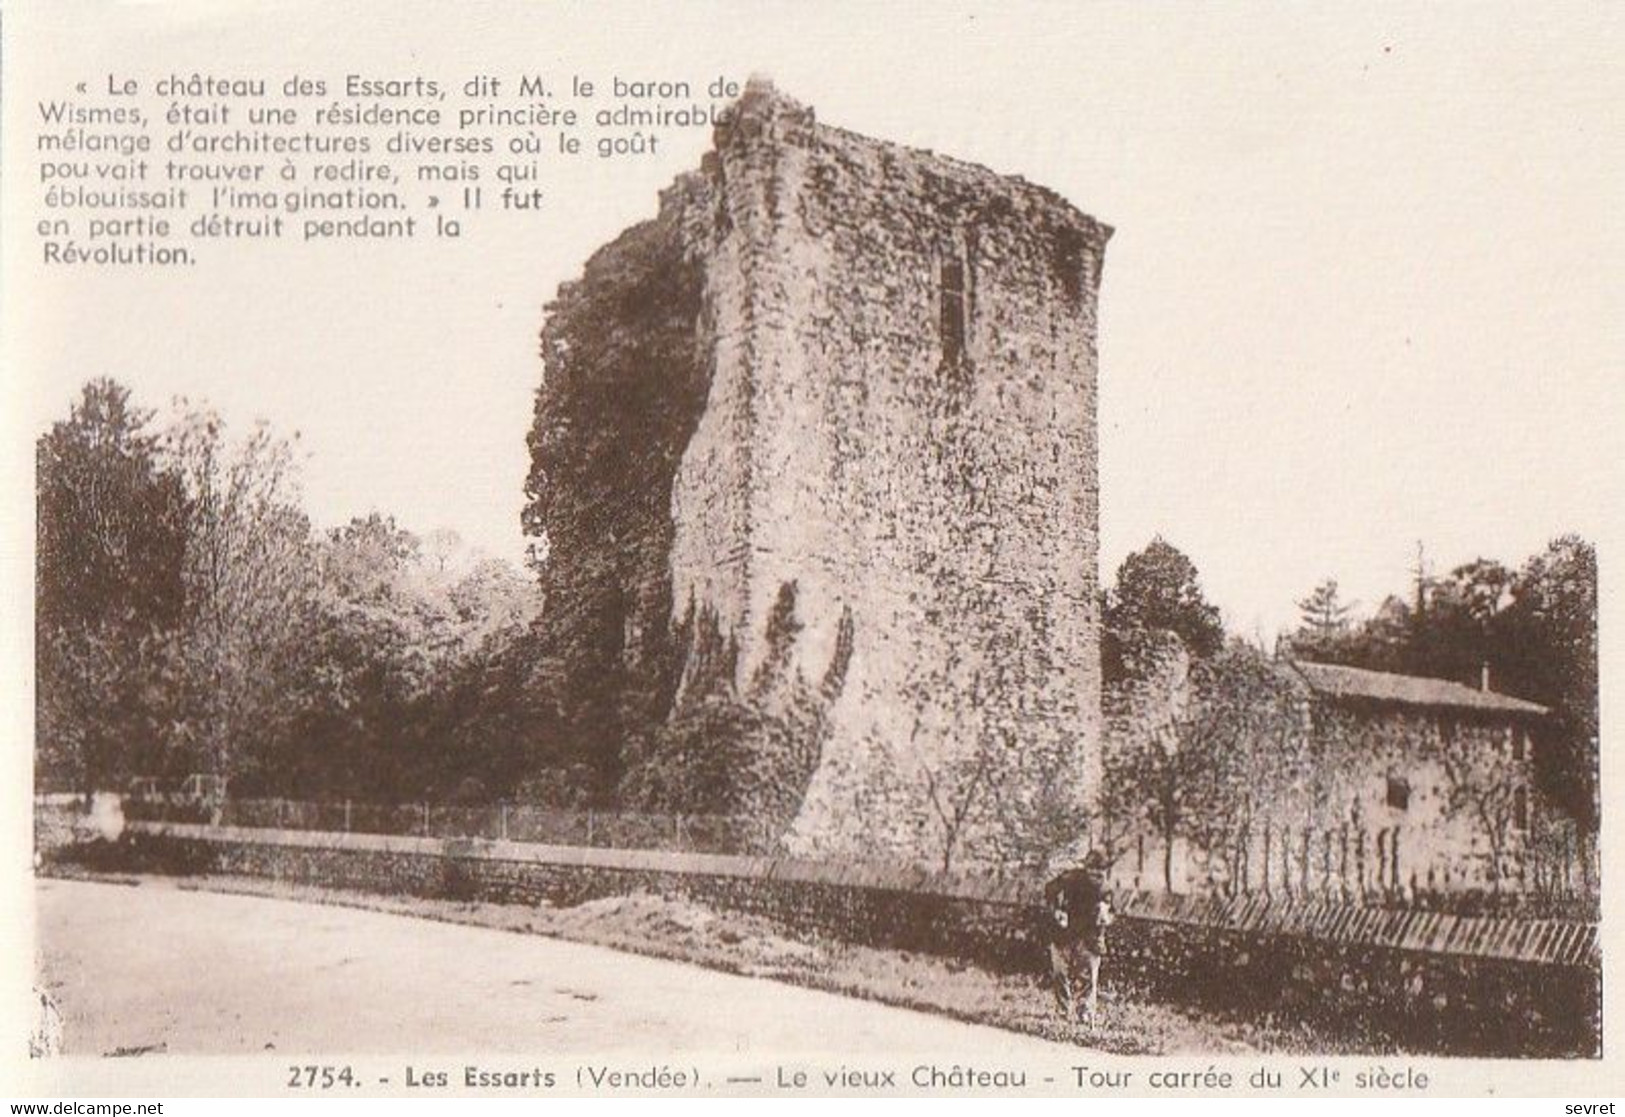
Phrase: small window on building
x=953 y=309
x=1399 y=793
x=1073 y=266
x=1520 y=808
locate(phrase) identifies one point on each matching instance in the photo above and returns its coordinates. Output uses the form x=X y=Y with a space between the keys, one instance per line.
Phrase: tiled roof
x=1337 y=681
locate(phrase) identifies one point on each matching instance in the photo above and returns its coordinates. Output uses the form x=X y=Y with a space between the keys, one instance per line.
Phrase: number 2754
x=312 y=1077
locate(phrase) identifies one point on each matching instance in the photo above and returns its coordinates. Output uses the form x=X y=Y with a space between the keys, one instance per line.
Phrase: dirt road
x=153 y=968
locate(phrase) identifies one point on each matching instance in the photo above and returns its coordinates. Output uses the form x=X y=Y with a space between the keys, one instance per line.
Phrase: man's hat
x=1074 y=855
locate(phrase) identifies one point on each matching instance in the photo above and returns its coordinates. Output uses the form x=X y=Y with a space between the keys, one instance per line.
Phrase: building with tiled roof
x=1408 y=786
x=1336 y=682
x=1437 y=777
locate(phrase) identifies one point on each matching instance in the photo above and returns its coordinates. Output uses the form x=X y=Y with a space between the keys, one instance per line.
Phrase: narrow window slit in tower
x=953 y=310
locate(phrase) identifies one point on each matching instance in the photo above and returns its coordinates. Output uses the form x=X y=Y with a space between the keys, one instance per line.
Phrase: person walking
x=1078 y=911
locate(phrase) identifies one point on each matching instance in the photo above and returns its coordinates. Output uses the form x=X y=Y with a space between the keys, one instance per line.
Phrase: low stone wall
x=1416 y=981
x=56 y=820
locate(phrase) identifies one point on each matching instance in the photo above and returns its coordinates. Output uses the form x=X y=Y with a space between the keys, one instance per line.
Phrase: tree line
x=190 y=619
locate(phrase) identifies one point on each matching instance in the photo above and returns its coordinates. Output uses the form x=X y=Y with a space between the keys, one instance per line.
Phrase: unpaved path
x=153 y=968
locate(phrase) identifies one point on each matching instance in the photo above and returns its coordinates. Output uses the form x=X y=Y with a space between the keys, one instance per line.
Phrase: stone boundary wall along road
x=1409 y=980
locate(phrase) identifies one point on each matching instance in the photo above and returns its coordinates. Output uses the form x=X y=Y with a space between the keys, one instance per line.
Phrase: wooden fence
x=494 y=822
x=1370 y=865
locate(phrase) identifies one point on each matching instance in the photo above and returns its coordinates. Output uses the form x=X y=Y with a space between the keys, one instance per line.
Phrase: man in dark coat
x=1077 y=911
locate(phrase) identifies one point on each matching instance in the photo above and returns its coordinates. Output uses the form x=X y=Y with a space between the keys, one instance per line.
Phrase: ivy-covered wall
x=815 y=460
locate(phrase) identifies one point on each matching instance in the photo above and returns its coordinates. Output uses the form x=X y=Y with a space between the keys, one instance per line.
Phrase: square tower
x=870 y=530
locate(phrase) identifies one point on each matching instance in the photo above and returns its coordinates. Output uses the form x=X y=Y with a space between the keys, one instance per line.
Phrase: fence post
x=502 y=822
x=1267 y=859
x=1343 y=857
x=589 y=825
x=677 y=831
x=1244 y=859
x=425 y=819
x=1304 y=858
x=346 y=816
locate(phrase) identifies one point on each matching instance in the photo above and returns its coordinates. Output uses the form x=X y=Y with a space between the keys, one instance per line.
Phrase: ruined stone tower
x=817 y=447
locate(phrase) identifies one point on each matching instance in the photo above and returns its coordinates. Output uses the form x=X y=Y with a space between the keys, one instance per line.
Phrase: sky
x=1364 y=289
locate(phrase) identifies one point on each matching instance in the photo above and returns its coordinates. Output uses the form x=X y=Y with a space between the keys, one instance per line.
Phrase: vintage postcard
x=1027 y=550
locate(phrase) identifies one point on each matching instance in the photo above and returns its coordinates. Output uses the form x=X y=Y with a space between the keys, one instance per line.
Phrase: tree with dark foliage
x=1325 y=620
x=108 y=599
x=1548 y=653
x=1157 y=590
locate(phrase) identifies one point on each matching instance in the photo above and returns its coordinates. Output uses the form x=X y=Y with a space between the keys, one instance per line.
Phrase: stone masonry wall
x=1440 y=839
x=923 y=455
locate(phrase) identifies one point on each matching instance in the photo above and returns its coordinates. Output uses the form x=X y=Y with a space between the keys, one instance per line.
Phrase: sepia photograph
x=591 y=550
